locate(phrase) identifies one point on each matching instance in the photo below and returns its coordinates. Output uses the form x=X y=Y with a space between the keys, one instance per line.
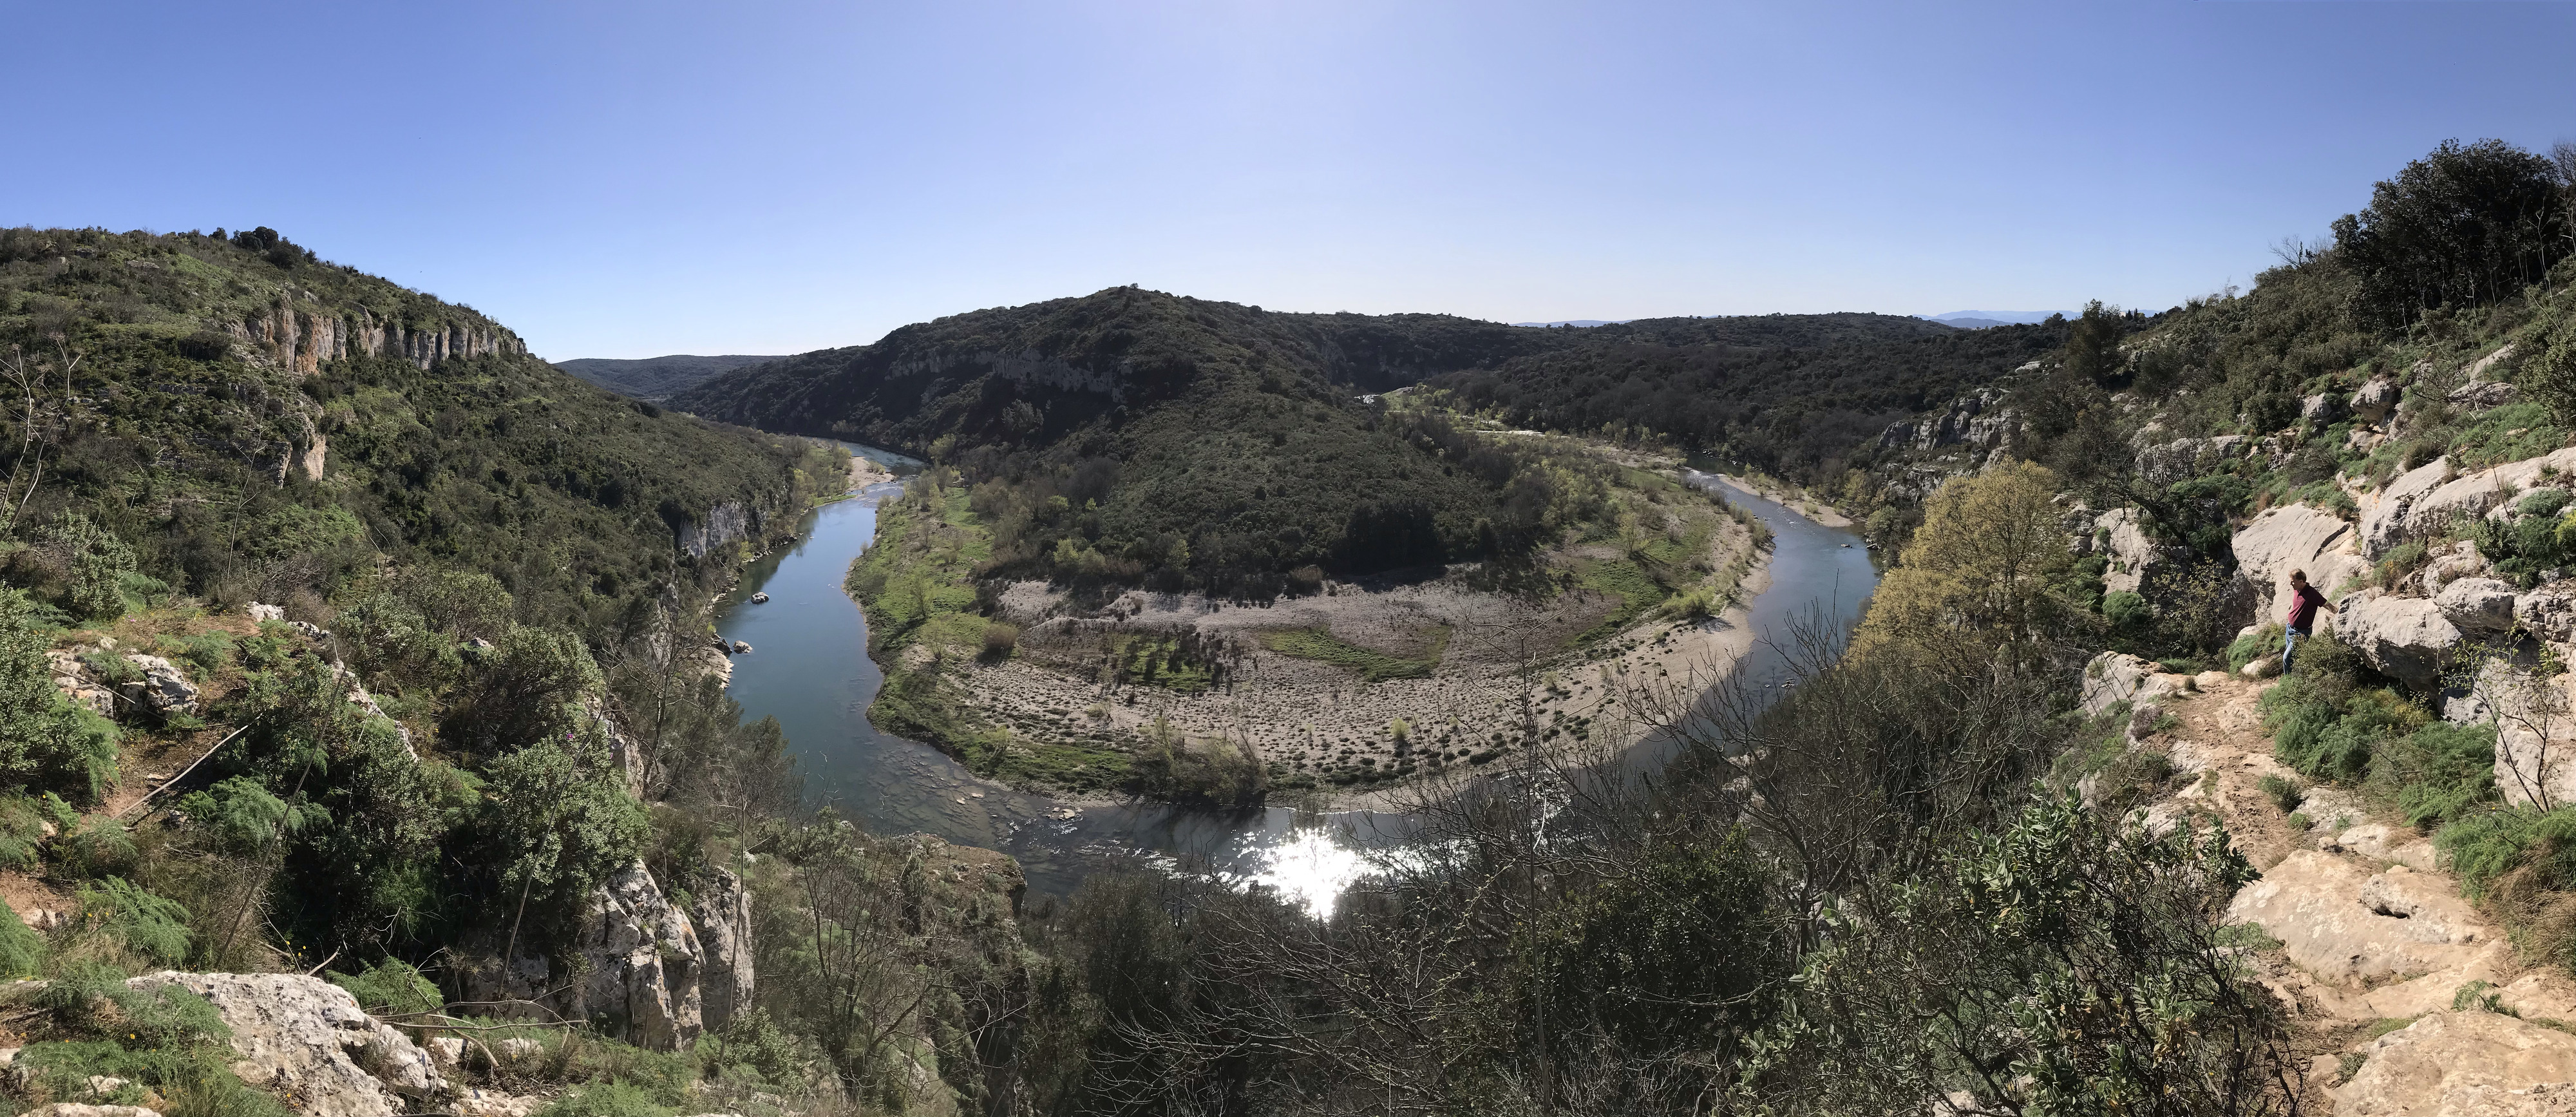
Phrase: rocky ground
x=1310 y=718
x=2406 y=999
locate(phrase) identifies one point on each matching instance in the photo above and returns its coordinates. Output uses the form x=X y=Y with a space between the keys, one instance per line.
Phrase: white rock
x=637 y=973
x=2424 y=501
x=259 y=612
x=2460 y=1063
x=2112 y=678
x=2133 y=554
x=2479 y=605
x=722 y=913
x=2375 y=399
x=2322 y=409
x=448 y=1050
x=164 y=687
x=2406 y=638
x=296 y=1036
x=2295 y=537
x=2316 y=904
x=75 y=1109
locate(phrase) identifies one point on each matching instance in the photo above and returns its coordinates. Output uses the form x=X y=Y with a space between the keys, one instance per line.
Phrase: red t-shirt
x=2303 y=607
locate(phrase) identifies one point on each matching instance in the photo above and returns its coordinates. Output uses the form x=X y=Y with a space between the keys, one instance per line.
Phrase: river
x=809 y=668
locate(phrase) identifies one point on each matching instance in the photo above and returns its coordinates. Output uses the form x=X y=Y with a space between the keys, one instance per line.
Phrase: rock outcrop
x=2184 y=458
x=2342 y=923
x=724 y=523
x=2295 y=537
x=2133 y=554
x=298 y=334
x=2425 y=501
x=2482 y=606
x=635 y=972
x=2375 y=399
x=722 y=912
x=307 y=1039
x=164 y=689
x=2113 y=677
x=2460 y=1064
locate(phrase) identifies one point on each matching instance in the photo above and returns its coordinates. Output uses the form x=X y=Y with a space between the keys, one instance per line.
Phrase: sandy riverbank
x=1805 y=505
x=1502 y=664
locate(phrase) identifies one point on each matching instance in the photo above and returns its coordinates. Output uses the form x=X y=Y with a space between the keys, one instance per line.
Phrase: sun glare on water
x=1311 y=869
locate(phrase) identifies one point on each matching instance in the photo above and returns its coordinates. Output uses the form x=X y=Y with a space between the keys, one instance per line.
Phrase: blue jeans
x=2289 y=643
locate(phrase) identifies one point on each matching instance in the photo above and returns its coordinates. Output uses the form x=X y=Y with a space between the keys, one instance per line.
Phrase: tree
x=1981 y=566
x=2093 y=344
x=560 y=822
x=97 y=565
x=2463 y=225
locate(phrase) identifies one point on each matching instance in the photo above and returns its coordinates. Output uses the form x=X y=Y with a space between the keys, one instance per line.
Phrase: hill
x=654 y=377
x=1204 y=443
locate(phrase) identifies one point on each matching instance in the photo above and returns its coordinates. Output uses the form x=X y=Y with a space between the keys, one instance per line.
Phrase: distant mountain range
x=655 y=377
x=1988 y=319
x=1580 y=322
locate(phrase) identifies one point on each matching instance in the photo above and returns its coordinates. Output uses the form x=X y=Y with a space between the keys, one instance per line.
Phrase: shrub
x=46 y=743
x=392 y=986
x=2485 y=846
x=148 y=926
x=2285 y=794
x=2262 y=643
x=22 y=950
x=606 y=1099
x=2437 y=774
x=1000 y=640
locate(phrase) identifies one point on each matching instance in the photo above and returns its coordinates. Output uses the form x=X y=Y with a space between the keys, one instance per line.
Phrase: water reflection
x=809 y=668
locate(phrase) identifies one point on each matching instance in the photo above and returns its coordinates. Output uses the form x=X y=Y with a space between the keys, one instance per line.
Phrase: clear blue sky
x=631 y=179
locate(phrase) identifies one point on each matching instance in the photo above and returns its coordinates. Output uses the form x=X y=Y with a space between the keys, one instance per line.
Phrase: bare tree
x=37 y=425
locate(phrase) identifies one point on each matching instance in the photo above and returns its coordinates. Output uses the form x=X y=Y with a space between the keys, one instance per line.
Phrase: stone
x=722 y=912
x=2295 y=537
x=2548 y=613
x=2461 y=1063
x=494 y=1103
x=2483 y=395
x=2462 y=560
x=2382 y=842
x=305 y=1038
x=760 y=599
x=2142 y=720
x=2375 y=399
x=264 y=613
x=2322 y=410
x=2477 y=605
x=2406 y=638
x=448 y=1050
x=2345 y=924
x=516 y=1049
x=164 y=688
x=2114 y=677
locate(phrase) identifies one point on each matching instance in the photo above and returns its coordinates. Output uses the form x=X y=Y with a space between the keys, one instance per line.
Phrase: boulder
x=164 y=688
x=2322 y=410
x=2346 y=924
x=262 y=613
x=2113 y=677
x=305 y=1038
x=2461 y=560
x=2406 y=638
x=2295 y=537
x=2535 y=722
x=2483 y=395
x=722 y=912
x=2375 y=399
x=2483 y=606
x=2547 y=613
x=2463 y=1063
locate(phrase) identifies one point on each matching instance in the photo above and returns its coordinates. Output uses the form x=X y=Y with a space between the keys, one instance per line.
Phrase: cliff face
x=299 y=332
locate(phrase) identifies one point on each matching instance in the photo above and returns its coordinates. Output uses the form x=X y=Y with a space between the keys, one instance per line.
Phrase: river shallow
x=809 y=668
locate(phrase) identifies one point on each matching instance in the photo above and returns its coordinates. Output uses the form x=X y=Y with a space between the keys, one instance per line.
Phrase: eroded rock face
x=638 y=968
x=2406 y=638
x=2295 y=537
x=2463 y=1063
x=303 y=1037
x=722 y=912
x=2132 y=553
x=723 y=524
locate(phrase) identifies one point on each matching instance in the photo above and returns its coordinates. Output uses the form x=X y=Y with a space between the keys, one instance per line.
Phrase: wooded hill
x=1208 y=444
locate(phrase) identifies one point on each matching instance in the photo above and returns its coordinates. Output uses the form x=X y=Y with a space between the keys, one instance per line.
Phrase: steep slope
x=655 y=377
x=255 y=423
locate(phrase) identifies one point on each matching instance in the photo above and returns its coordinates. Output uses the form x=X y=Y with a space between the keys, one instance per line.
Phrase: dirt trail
x=2375 y=945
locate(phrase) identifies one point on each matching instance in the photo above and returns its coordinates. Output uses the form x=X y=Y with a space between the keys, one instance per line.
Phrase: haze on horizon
x=636 y=180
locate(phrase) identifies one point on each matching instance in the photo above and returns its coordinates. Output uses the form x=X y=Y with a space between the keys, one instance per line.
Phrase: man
x=2304 y=603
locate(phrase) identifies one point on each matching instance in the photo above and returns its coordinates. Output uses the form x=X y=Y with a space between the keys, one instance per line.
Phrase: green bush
x=46 y=743
x=2484 y=846
x=150 y=926
x=2126 y=610
x=392 y=986
x=2437 y=774
x=2262 y=643
x=2285 y=794
x=22 y=950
